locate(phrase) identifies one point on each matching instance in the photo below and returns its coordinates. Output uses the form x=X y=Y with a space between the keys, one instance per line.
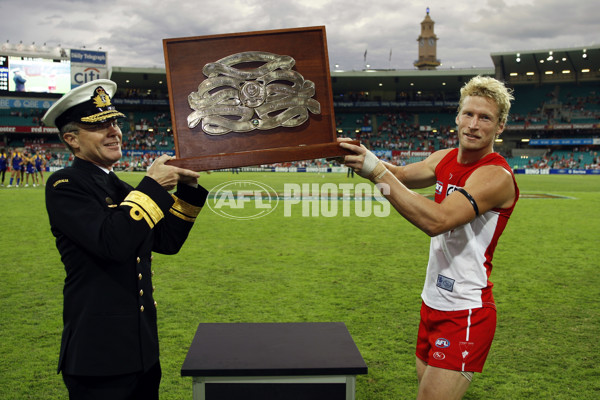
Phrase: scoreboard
x=50 y=72
x=3 y=73
x=41 y=75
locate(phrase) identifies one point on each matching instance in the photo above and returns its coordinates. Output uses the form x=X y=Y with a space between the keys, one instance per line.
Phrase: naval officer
x=106 y=231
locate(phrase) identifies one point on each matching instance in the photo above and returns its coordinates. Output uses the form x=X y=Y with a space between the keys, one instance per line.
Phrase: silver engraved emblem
x=241 y=100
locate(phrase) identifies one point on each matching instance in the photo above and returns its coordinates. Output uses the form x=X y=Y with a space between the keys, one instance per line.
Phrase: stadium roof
x=342 y=81
x=154 y=79
x=404 y=80
x=529 y=67
x=547 y=65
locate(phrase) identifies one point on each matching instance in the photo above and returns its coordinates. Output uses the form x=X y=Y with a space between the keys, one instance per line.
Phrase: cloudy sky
x=131 y=31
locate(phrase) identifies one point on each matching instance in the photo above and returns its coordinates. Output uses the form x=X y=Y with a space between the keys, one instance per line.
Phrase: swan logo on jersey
x=465 y=348
x=450 y=189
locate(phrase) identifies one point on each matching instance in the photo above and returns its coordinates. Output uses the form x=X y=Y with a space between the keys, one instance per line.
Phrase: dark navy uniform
x=106 y=232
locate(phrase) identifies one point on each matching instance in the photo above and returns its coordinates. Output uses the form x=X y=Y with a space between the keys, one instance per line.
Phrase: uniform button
x=141 y=292
x=142 y=308
x=138 y=260
x=140 y=277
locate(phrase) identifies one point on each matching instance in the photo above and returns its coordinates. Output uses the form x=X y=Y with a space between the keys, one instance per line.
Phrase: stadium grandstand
x=403 y=115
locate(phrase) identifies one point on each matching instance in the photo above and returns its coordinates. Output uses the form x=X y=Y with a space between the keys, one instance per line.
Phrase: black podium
x=273 y=361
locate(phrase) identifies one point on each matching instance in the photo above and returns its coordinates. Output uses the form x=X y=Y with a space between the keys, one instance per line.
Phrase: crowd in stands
x=148 y=134
x=584 y=158
x=23 y=116
x=358 y=97
x=147 y=140
x=396 y=132
x=139 y=93
x=560 y=105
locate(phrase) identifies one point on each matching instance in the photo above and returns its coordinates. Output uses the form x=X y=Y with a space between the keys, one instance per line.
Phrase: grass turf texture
x=365 y=272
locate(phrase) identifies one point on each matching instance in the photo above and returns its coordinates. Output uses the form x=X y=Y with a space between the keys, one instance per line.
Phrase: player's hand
x=168 y=176
x=364 y=162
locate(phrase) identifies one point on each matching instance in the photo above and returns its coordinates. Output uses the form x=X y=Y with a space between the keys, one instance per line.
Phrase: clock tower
x=427 y=43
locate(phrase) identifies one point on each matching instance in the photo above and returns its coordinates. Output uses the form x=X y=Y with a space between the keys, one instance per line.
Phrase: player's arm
x=414 y=176
x=489 y=187
x=420 y=174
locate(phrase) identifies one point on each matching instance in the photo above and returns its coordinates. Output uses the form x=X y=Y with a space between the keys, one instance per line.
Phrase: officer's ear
x=71 y=138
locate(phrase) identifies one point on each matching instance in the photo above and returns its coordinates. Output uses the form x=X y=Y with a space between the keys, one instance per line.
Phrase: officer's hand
x=168 y=175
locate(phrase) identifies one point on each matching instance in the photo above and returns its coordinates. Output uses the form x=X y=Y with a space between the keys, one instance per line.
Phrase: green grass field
x=365 y=272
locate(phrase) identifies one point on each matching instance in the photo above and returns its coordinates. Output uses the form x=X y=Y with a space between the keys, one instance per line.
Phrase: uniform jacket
x=105 y=233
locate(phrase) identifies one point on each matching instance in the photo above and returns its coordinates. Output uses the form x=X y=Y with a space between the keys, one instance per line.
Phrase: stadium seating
x=19 y=117
x=424 y=129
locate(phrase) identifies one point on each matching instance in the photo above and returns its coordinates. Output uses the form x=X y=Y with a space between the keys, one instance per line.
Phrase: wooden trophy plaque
x=251 y=98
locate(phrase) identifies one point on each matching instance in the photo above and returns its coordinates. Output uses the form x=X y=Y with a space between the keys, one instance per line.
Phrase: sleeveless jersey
x=460 y=261
x=16 y=162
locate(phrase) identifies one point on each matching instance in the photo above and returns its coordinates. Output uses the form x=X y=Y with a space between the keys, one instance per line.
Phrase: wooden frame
x=185 y=59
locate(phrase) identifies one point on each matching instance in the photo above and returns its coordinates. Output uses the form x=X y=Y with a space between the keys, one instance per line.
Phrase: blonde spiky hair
x=491 y=88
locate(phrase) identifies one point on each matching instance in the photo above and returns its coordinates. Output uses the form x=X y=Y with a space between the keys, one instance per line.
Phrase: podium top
x=273 y=349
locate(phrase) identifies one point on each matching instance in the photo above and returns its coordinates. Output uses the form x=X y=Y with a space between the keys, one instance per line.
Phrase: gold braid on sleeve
x=184 y=210
x=142 y=206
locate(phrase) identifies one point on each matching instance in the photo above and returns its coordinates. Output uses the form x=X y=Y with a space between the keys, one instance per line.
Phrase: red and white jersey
x=460 y=261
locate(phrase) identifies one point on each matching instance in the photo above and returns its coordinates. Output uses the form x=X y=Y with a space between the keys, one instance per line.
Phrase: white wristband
x=369 y=165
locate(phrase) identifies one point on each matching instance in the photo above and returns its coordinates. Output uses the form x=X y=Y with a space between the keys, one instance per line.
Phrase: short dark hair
x=68 y=127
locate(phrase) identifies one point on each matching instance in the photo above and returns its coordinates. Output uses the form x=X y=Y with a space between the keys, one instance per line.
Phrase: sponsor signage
x=87 y=66
x=564 y=142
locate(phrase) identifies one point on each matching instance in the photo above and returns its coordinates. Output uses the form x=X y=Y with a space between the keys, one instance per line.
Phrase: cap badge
x=101 y=98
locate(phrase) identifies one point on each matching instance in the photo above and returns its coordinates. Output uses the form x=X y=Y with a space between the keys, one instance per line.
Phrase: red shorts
x=456 y=340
